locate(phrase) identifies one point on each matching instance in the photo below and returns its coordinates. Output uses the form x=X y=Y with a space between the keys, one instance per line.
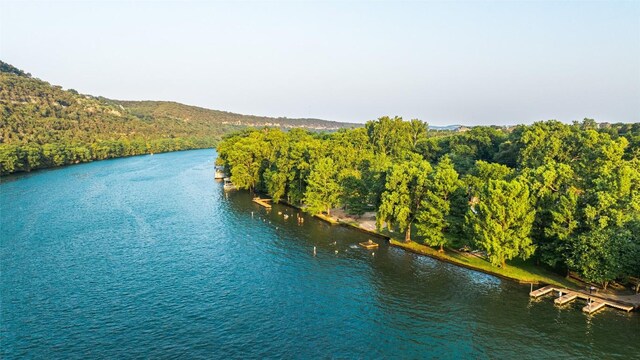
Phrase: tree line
x=567 y=196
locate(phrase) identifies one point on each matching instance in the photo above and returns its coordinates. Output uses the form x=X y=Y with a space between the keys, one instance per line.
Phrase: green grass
x=331 y=220
x=518 y=270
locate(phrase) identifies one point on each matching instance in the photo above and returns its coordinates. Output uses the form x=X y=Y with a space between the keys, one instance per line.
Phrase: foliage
x=605 y=254
x=541 y=190
x=502 y=221
x=406 y=191
x=434 y=218
x=323 y=190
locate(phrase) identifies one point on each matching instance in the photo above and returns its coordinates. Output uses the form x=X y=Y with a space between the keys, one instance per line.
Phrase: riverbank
x=524 y=272
x=520 y=271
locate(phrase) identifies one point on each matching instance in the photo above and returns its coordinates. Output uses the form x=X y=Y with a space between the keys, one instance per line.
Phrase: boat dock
x=542 y=291
x=262 y=202
x=595 y=302
x=566 y=298
x=593 y=307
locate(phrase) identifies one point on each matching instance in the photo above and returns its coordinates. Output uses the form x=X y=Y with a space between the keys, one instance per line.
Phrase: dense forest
x=567 y=196
x=43 y=125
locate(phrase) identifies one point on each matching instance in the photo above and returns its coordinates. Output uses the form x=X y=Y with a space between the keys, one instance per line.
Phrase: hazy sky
x=442 y=62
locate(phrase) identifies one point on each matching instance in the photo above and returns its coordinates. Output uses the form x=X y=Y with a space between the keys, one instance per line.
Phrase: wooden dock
x=262 y=202
x=542 y=291
x=595 y=302
x=592 y=307
x=566 y=298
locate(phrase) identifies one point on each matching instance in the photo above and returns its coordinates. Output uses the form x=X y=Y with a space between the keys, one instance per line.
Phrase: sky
x=445 y=63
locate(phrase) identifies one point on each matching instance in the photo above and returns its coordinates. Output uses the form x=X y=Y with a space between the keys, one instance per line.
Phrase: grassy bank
x=517 y=270
x=331 y=220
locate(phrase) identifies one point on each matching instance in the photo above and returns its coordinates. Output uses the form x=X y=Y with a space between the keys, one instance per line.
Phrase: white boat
x=219 y=173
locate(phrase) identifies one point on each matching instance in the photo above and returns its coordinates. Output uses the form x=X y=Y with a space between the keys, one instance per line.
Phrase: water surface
x=148 y=257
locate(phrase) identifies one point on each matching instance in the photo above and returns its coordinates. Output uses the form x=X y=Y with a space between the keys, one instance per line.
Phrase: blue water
x=146 y=257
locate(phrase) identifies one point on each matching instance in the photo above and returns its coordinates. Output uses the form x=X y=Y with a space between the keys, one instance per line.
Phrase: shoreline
x=518 y=271
x=513 y=273
x=55 y=167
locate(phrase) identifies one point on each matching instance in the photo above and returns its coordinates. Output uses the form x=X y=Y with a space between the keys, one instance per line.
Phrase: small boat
x=228 y=185
x=369 y=244
x=219 y=173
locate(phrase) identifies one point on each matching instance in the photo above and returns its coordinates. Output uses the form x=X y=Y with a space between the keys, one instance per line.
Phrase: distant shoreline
x=42 y=169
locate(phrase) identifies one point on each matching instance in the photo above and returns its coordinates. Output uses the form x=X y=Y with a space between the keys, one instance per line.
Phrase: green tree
x=502 y=220
x=323 y=190
x=406 y=189
x=245 y=159
x=433 y=219
x=392 y=137
x=418 y=132
x=604 y=255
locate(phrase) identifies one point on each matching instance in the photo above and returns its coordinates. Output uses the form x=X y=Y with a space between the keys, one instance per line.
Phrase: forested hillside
x=43 y=125
x=565 y=195
x=173 y=110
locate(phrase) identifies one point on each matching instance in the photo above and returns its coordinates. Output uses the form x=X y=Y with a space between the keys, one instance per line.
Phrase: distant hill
x=43 y=125
x=445 y=128
x=173 y=110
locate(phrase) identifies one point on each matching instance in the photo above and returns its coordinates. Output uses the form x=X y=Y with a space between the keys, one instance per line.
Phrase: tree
x=392 y=137
x=480 y=174
x=405 y=192
x=433 y=218
x=418 y=132
x=502 y=220
x=323 y=190
x=604 y=255
x=553 y=188
x=245 y=159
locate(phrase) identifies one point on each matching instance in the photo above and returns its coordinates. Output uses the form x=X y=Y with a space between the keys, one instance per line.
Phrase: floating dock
x=542 y=291
x=369 y=245
x=594 y=301
x=566 y=298
x=262 y=202
x=593 y=307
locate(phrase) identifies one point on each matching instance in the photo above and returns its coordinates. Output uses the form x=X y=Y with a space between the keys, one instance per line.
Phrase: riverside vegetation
x=42 y=125
x=563 y=196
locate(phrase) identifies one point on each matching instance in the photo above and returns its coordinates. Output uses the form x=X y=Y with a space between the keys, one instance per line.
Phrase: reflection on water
x=148 y=257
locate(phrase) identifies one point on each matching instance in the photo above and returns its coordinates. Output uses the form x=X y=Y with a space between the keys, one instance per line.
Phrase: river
x=147 y=257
